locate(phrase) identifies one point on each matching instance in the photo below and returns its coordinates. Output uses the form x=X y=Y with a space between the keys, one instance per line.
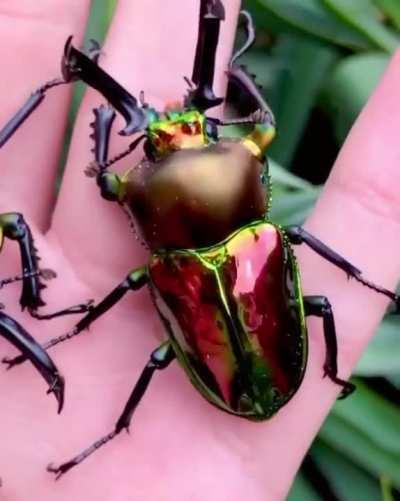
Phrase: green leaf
x=100 y=16
x=386 y=487
x=382 y=356
x=99 y=20
x=359 y=448
x=349 y=88
x=302 y=67
x=374 y=417
x=283 y=177
x=292 y=207
x=392 y=9
x=302 y=490
x=394 y=380
x=306 y=16
x=363 y=16
x=348 y=480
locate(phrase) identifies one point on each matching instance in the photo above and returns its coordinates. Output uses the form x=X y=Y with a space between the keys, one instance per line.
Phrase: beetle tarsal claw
x=48 y=274
x=9 y=362
x=57 y=470
x=57 y=388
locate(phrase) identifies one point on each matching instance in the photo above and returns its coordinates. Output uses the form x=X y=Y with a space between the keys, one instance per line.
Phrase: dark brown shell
x=196 y=197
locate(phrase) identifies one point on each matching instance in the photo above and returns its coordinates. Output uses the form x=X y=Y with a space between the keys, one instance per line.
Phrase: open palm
x=180 y=448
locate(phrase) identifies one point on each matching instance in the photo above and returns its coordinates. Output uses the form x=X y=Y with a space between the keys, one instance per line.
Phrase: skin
x=180 y=447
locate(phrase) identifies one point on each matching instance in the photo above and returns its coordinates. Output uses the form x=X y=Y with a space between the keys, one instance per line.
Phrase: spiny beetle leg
x=104 y=117
x=159 y=359
x=14 y=227
x=320 y=306
x=262 y=117
x=31 y=350
x=134 y=281
x=298 y=235
x=108 y=182
x=239 y=76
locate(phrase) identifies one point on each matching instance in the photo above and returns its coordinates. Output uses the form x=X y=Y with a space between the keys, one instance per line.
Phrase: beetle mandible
x=222 y=276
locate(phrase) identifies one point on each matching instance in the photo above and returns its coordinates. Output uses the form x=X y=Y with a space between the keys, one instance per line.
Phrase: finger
x=151 y=46
x=32 y=35
x=358 y=215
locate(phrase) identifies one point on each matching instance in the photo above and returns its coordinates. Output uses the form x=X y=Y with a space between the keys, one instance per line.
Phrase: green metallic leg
x=320 y=306
x=298 y=235
x=134 y=281
x=159 y=359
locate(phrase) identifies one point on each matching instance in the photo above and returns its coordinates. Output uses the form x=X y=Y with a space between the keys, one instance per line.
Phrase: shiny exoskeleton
x=14 y=227
x=222 y=276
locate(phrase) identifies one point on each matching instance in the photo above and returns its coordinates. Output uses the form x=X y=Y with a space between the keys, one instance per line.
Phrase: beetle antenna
x=95 y=167
x=47 y=274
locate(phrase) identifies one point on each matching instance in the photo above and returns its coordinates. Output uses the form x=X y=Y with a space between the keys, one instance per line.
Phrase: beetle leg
x=76 y=309
x=31 y=350
x=14 y=227
x=111 y=185
x=159 y=359
x=108 y=182
x=238 y=74
x=104 y=117
x=202 y=96
x=39 y=94
x=298 y=235
x=320 y=306
x=134 y=281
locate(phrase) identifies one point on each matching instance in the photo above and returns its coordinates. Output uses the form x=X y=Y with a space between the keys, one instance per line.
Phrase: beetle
x=223 y=277
x=14 y=227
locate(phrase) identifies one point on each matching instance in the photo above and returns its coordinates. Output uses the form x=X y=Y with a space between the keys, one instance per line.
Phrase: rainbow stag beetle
x=222 y=276
x=14 y=227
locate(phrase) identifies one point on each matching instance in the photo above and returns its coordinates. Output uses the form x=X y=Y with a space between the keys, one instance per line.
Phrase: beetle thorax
x=177 y=131
x=196 y=197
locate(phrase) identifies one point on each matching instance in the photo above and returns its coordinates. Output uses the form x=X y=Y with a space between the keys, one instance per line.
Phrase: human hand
x=180 y=448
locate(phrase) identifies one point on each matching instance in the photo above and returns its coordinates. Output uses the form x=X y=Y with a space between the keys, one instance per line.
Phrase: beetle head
x=177 y=130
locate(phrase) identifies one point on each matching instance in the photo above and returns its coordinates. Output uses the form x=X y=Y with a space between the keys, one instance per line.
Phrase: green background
x=318 y=62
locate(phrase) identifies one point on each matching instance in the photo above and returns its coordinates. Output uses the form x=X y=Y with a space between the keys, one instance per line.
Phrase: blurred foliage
x=318 y=61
